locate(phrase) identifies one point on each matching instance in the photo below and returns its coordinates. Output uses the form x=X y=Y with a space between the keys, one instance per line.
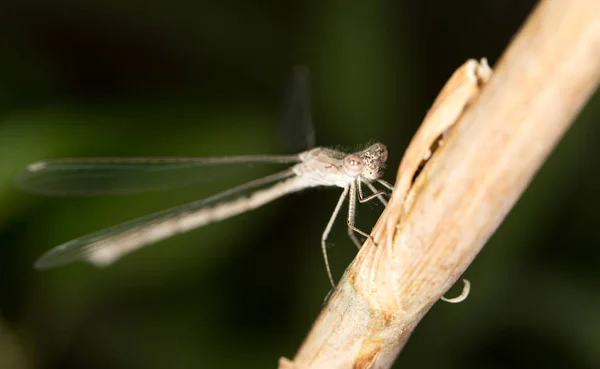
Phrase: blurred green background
x=138 y=78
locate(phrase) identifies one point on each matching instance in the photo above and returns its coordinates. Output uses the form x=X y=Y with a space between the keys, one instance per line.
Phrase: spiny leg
x=386 y=184
x=328 y=229
x=352 y=217
x=352 y=214
x=378 y=194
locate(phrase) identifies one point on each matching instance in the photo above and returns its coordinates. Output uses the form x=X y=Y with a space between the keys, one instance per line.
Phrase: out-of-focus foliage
x=137 y=78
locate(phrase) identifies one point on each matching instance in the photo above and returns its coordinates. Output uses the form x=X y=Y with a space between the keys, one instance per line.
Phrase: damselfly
x=315 y=167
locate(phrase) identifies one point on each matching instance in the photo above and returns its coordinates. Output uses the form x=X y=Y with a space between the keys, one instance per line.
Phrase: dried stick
x=433 y=228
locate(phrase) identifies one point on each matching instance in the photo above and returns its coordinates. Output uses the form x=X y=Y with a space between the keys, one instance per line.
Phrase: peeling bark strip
x=460 y=90
x=434 y=227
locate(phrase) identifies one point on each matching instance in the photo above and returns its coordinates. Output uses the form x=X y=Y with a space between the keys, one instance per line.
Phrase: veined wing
x=297 y=124
x=94 y=176
x=106 y=246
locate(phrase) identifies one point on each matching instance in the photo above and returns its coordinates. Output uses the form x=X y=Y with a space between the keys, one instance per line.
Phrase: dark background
x=129 y=77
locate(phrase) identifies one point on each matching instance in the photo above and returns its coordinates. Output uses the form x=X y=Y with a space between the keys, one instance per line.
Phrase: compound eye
x=353 y=165
x=383 y=156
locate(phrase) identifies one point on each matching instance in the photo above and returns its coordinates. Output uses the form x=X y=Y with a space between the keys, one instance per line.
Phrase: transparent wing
x=94 y=176
x=298 y=129
x=106 y=246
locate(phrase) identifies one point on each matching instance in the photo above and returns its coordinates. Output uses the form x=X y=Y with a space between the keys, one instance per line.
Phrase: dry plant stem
x=542 y=81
